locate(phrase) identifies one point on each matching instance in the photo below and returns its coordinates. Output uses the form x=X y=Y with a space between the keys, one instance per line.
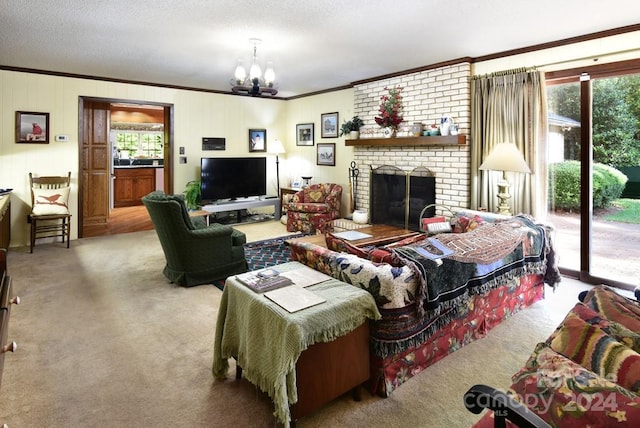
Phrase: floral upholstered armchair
x=314 y=207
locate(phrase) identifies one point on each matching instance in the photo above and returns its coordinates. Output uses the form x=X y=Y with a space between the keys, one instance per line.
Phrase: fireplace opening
x=397 y=197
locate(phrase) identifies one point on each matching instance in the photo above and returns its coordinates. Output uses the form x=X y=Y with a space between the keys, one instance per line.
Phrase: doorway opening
x=125 y=154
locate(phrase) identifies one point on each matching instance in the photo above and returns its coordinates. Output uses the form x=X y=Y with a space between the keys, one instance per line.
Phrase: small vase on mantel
x=416 y=129
x=389 y=132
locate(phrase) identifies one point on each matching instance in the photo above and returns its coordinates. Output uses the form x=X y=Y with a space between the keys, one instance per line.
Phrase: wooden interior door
x=95 y=172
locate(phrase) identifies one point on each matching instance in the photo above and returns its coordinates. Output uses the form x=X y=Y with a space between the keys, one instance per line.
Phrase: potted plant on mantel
x=351 y=128
x=390 y=111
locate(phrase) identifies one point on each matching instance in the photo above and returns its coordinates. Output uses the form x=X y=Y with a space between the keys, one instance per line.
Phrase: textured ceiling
x=314 y=44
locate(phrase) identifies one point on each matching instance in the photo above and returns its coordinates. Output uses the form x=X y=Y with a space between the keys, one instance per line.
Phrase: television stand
x=237 y=201
x=243 y=204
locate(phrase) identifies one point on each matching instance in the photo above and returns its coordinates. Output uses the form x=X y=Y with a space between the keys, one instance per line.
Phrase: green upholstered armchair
x=195 y=253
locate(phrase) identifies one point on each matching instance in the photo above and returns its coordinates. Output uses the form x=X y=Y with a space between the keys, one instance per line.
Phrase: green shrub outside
x=564 y=185
x=609 y=183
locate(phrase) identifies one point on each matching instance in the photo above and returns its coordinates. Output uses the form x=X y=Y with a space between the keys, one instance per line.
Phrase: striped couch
x=587 y=373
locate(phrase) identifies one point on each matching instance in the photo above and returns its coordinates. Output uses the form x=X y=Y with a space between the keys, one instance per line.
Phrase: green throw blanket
x=267 y=340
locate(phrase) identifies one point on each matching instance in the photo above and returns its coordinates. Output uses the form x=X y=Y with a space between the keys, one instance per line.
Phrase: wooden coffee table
x=381 y=234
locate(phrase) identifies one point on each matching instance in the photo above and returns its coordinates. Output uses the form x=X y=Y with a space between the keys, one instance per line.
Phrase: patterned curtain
x=510 y=106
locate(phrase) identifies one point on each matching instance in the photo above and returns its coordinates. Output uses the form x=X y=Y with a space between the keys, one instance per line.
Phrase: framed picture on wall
x=32 y=127
x=257 y=140
x=326 y=154
x=329 y=125
x=304 y=134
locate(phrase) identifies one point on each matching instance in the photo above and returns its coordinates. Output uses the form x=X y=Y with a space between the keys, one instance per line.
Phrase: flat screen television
x=232 y=178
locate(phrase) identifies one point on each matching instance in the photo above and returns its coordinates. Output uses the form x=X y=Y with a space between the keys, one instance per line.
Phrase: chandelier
x=254 y=84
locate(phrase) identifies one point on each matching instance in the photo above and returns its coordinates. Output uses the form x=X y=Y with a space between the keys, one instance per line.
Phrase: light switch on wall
x=62 y=138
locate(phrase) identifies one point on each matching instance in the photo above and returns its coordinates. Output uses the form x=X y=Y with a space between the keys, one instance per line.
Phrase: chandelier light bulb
x=255 y=71
x=269 y=74
x=240 y=73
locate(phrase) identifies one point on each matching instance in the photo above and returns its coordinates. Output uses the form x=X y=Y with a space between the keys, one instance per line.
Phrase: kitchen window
x=139 y=144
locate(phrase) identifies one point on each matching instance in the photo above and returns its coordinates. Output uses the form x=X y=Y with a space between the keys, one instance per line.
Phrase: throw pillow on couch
x=382 y=254
x=462 y=224
x=592 y=348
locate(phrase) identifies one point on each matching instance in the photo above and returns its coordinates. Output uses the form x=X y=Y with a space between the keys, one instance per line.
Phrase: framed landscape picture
x=32 y=127
x=304 y=134
x=329 y=125
x=326 y=154
x=257 y=140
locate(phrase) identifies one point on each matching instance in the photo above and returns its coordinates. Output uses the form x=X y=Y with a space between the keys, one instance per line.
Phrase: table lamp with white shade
x=505 y=157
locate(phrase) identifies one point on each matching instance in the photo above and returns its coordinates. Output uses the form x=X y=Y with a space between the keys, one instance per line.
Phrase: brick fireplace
x=397 y=197
x=450 y=166
x=428 y=96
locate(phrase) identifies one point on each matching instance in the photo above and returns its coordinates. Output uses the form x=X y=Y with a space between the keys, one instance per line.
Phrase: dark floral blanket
x=483 y=259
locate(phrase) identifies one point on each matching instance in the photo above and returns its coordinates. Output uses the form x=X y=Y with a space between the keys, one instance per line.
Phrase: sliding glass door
x=563 y=156
x=616 y=149
x=594 y=154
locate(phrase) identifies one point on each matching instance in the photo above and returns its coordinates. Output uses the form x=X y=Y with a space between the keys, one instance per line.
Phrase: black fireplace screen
x=397 y=197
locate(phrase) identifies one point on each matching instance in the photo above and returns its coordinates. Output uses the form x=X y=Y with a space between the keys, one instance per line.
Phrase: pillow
x=429 y=220
x=595 y=350
x=340 y=245
x=558 y=390
x=50 y=201
x=392 y=287
x=616 y=330
x=316 y=196
x=614 y=307
x=385 y=254
x=406 y=241
x=462 y=224
x=382 y=255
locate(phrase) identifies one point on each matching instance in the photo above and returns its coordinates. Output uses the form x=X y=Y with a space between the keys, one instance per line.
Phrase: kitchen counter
x=136 y=166
x=138 y=163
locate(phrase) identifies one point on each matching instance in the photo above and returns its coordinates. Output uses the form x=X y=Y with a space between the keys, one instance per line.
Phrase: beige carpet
x=105 y=341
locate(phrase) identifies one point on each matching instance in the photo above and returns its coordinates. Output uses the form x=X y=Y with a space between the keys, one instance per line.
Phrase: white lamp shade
x=276 y=147
x=505 y=157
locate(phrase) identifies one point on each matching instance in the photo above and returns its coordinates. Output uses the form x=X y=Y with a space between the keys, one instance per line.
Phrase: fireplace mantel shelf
x=439 y=140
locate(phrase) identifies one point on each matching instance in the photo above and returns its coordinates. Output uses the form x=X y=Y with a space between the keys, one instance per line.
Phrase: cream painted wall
x=196 y=115
x=301 y=160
